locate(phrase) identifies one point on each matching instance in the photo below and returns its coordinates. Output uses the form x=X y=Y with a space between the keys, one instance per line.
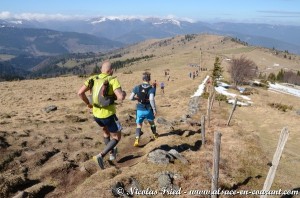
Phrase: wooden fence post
x=233 y=108
x=208 y=109
x=212 y=97
x=203 y=129
x=276 y=158
x=216 y=160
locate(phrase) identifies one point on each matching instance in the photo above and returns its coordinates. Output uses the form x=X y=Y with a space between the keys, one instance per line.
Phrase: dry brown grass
x=247 y=145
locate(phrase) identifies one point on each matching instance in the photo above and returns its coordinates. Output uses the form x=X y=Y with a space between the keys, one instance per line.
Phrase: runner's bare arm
x=81 y=94
x=152 y=103
x=120 y=94
x=132 y=96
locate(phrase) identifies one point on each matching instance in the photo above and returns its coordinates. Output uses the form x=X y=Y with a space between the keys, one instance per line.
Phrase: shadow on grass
x=44 y=191
x=179 y=132
x=127 y=158
x=182 y=147
x=243 y=183
x=293 y=192
x=22 y=186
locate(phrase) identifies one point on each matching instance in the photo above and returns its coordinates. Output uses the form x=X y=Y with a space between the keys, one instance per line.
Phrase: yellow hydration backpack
x=100 y=89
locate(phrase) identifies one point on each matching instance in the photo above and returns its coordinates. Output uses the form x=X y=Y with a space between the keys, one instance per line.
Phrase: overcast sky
x=251 y=11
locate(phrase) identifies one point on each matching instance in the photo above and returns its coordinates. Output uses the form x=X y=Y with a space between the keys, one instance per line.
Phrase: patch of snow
x=201 y=87
x=222 y=84
x=284 y=89
x=222 y=90
x=256 y=82
x=241 y=89
x=245 y=97
x=231 y=101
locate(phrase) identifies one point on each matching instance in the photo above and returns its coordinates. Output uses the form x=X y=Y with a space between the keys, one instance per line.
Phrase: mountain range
x=46 y=42
x=132 y=30
x=31 y=43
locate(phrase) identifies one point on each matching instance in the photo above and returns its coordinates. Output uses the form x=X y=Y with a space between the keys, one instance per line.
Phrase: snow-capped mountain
x=153 y=21
x=135 y=29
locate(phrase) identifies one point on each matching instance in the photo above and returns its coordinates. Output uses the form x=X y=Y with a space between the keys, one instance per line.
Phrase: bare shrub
x=127 y=72
x=281 y=107
x=291 y=77
x=242 y=69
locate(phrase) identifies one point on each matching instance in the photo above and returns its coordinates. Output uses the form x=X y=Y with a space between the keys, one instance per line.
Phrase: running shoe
x=155 y=136
x=99 y=159
x=136 y=142
x=113 y=154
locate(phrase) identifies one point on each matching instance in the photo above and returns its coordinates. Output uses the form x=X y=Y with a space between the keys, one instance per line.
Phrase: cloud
x=39 y=16
x=5 y=15
x=61 y=17
x=282 y=16
x=279 y=12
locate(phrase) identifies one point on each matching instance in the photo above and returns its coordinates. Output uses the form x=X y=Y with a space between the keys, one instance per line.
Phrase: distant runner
x=154 y=85
x=162 y=87
x=146 y=109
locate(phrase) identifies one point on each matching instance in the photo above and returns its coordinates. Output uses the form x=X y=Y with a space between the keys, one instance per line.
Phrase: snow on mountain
x=167 y=21
x=132 y=29
x=99 y=21
x=113 y=18
x=153 y=21
x=19 y=22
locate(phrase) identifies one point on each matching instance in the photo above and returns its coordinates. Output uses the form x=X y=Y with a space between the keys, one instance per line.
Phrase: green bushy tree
x=217 y=71
x=280 y=75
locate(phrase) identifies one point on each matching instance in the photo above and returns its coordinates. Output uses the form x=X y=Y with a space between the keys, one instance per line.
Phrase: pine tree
x=261 y=76
x=280 y=75
x=272 y=77
x=217 y=71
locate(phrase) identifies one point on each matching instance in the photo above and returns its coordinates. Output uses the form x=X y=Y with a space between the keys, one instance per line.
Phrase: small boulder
x=178 y=156
x=50 y=108
x=160 y=156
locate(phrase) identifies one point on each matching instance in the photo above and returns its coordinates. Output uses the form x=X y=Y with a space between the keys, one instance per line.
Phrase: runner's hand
x=90 y=106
